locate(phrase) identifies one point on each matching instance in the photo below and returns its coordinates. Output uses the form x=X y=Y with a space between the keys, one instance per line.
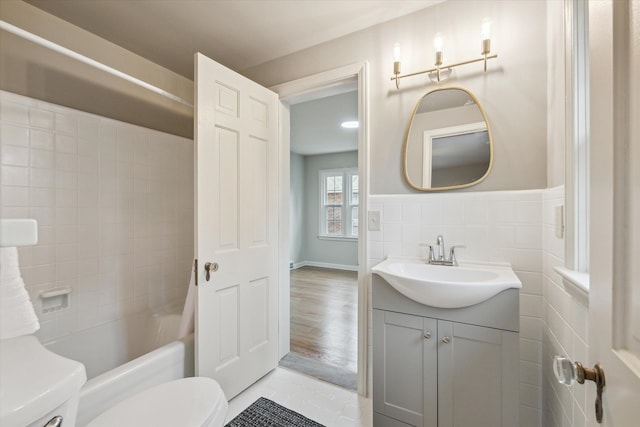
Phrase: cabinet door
x=477 y=376
x=405 y=368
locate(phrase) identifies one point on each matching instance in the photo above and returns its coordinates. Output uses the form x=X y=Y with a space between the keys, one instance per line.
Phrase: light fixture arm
x=438 y=67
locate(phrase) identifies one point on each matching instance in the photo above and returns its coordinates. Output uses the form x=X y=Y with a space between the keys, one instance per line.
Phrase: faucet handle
x=452 y=254
x=431 y=255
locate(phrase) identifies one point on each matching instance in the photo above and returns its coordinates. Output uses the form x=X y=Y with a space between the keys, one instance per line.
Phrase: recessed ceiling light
x=353 y=124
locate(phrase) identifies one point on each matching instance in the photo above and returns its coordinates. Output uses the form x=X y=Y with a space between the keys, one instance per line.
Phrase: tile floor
x=325 y=403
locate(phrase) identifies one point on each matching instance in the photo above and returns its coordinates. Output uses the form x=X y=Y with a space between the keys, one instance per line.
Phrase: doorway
x=322 y=85
x=323 y=225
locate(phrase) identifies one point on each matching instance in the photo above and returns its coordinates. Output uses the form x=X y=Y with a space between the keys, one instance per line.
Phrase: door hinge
x=195 y=271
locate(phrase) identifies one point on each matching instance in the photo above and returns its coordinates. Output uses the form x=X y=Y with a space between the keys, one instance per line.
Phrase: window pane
x=334 y=220
x=354 y=189
x=333 y=188
x=354 y=221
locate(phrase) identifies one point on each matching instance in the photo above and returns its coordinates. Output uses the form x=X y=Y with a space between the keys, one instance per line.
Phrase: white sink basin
x=447 y=287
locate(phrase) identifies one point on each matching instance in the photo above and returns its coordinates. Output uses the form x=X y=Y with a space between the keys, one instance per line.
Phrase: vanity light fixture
x=443 y=72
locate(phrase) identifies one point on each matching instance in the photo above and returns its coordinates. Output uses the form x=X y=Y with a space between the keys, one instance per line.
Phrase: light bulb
x=396 y=52
x=437 y=42
x=486 y=29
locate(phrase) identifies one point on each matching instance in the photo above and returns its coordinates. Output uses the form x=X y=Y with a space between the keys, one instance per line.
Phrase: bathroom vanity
x=444 y=367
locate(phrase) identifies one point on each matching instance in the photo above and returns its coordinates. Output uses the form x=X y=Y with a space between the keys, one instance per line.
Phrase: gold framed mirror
x=448 y=143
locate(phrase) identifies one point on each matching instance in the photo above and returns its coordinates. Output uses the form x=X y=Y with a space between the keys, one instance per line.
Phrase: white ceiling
x=315 y=125
x=236 y=33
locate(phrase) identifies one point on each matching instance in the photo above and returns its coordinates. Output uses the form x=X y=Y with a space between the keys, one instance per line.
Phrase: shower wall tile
x=501 y=226
x=113 y=201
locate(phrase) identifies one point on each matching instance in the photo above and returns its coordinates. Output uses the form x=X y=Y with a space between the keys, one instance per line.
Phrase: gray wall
x=513 y=92
x=324 y=251
x=296 y=208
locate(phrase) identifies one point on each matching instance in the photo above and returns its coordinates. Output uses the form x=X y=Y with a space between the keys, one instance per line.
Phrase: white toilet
x=40 y=388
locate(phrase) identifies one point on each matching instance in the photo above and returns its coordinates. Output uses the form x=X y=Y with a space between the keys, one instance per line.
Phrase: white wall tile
x=74 y=173
x=392 y=212
x=15 y=176
x=14 y=135
x=13 y=155
x=564 y=325
x=66 y=122
x=40 y=118
x=13 y=111
x=42 y=159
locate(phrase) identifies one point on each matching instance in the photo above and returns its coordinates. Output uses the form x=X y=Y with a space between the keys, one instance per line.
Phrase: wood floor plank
x=324 y=315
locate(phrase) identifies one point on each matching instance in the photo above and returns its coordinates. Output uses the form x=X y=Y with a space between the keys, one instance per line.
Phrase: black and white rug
x=267 y=413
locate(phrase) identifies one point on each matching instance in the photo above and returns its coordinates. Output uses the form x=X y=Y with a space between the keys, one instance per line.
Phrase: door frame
x=295 y=88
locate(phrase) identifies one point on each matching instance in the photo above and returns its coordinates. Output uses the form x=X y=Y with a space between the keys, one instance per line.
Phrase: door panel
x=236 y=227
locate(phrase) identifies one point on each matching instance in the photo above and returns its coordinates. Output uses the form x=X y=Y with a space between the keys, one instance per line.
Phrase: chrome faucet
x=438 y=257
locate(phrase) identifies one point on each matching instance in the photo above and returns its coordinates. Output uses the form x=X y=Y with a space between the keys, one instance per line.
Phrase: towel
x=188 y=313
x=17 y=316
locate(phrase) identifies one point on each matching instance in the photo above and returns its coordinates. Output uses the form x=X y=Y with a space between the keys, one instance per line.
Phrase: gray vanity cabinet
x=436 y=368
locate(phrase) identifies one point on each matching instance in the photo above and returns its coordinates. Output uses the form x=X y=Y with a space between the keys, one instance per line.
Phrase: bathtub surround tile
x=87 y=181
x=11 y=135
x=40 y=118
x=42 y=159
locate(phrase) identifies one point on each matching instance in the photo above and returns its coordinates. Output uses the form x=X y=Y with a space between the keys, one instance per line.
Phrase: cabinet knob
x=446 y=340
x=427 y=335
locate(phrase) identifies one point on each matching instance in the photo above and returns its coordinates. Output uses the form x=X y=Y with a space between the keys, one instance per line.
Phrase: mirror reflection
x=448 y=143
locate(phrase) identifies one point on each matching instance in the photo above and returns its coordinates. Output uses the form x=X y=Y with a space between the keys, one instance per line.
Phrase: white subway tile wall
x=564 y=329
x=114 y=205
x=503 y=226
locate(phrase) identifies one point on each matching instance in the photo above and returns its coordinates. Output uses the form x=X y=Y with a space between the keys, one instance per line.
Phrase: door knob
x=446 y=340
x=210 y=267
x=568 y=373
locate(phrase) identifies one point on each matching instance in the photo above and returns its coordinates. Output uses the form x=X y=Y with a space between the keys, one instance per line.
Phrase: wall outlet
x=559 y=221
x=373 y=221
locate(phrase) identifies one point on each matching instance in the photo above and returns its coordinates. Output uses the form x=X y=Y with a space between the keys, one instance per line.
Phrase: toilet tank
x=37 y=384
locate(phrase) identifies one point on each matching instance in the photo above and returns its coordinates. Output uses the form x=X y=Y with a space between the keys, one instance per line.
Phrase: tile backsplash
x=114 y=205
x=500 y=226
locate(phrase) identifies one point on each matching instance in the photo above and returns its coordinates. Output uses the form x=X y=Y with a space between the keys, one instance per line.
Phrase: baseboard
x=295 y=266
x=325 y=265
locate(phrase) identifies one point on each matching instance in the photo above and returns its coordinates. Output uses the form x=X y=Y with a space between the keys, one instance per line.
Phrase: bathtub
x=126 y=356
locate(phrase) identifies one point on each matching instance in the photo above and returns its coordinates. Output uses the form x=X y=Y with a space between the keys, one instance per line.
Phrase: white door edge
x=298 y=87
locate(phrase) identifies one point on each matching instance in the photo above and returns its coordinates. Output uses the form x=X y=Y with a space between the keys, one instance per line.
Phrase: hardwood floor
x=324 y=315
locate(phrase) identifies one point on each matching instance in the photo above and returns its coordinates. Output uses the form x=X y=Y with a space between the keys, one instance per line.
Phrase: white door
x=614 y=297
x=236 y=133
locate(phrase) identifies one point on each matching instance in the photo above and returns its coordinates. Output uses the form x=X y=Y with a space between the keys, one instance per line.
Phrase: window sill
x=338 y=238
x=575 y=283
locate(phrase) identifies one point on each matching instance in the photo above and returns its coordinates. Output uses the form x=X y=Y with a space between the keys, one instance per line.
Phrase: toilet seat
x=188 y=402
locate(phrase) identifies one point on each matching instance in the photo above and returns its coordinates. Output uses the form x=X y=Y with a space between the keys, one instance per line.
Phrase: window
x=339 y=203
x=577 y=182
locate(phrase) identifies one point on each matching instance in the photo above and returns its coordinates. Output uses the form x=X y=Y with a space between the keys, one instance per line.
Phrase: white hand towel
x=17 y=316
x=188 y=313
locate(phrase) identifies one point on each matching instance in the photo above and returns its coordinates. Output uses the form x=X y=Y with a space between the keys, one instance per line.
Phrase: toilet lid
x=188 y=402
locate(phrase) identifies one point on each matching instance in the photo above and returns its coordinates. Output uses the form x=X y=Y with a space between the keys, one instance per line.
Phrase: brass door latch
x=568 y=373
